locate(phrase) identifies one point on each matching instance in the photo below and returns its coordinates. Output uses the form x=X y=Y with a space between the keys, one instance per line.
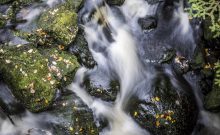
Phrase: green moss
x=207 y=10
x=212 y=100
x=74 y=4
x=34 y=76
x=4 y=1
x=217 y=74
x=3 y=20
x=60 y=23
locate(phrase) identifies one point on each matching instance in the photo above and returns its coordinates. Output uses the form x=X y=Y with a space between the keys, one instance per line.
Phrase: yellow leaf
x=135 y=114
x=157 y=123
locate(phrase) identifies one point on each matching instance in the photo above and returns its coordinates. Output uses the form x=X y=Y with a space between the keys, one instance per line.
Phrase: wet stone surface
x=79 y=47
x=73 y=116
x=167 y=110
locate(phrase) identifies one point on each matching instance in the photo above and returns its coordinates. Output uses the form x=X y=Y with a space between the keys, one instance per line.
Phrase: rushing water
x=123 y=52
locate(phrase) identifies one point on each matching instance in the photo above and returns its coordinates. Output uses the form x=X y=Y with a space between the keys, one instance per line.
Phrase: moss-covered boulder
x=35 y=75
x=212 y=100
x=60 y=22
x=167 y=110
x=55 y=26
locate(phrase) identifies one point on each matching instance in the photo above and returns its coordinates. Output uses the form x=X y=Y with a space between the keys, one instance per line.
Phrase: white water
x=122 y=59
x=28 y=124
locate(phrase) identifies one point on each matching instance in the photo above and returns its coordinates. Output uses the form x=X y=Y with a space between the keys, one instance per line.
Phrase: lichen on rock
x=34 y=75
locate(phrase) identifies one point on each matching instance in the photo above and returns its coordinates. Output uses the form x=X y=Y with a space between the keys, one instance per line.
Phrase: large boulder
x=74 y=116
x=35 y=75
x=54 y=26
x=212 y=100
x=60 y=22
x=167 y=110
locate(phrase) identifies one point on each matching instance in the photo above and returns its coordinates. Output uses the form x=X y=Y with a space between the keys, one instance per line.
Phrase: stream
x=130 y=45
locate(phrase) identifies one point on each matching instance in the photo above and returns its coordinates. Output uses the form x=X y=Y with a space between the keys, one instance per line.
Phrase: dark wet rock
x=167 y=110
x=198 y=59
x=73 y=117
x=206 y=81
x=34 y=75
x=154 y=1
x=115 y=2
x=212 y=100
x=104 y=93
x=181 y=64
x=5 y=1
x=207 y=33
x=168 y=56
x=8 y=103
x=81 y=50
x=147 y=23
x=209 y=131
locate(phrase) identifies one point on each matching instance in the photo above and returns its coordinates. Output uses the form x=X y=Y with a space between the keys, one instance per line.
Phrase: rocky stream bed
x=43 y=44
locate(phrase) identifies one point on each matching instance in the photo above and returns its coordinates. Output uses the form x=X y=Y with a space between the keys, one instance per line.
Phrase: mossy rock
x=5 y=1
x=76 y=117
x=3 y=21
x=34 y=76
x=56 y=26
x=212 y=100
x=74 y=4
x=60 y=23
x=167 y=111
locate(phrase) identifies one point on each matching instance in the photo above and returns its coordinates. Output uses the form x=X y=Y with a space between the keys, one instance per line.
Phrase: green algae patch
x=59 y=22
x=35 y=76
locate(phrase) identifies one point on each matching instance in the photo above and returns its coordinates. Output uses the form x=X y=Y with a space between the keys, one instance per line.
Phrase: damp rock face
x=167 y=110
x=115 y=2
x=75 y=116
x=80 y=49
x=104 y=93
x=34 y=75
x=149 y=22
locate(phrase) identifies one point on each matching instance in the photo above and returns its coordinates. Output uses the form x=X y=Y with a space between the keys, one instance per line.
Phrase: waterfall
x=118 y=56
